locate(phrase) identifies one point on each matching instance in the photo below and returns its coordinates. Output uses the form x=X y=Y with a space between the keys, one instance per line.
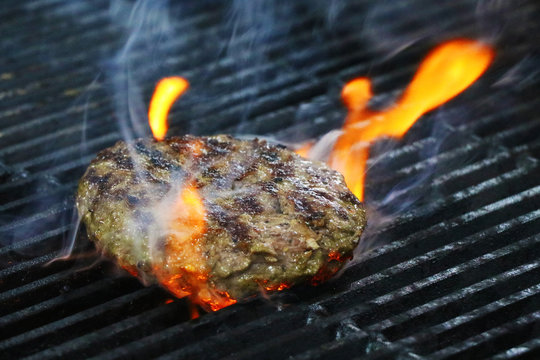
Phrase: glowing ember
x=277 y=287
x=336 y=256
x=447 y=71
x=166 y=93
x=193 y=311
x=273 y=287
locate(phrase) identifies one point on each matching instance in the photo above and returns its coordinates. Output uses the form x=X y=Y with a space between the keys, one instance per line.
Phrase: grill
x=455 y=221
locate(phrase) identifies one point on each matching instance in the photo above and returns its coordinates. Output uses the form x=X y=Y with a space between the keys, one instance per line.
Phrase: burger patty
x=217 y=218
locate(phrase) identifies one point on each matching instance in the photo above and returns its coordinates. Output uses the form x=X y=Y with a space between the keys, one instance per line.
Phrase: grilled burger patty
x=218 y=218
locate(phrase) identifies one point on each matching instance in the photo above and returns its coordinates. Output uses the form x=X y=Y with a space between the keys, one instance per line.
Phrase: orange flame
x=190 y=205
x=185 y=272
x=165 y=94
x=447 y=71
x=303 y=149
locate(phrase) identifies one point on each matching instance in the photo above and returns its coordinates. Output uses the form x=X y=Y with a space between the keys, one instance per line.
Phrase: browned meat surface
x=218 y=218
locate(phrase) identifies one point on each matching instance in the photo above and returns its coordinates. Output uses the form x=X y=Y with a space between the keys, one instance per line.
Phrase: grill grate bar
x=41 y=313
x=162 y=341
x=295 y=25
x=452 y=326
x=446 y=158
x=356 y=342
x=396 y=326
x=497 y=337
x=114 y=308
x=80 y=163
x=448 y=225
x=65 y=189
x=336 y=303
x=33 y=10
x=25 y=266
x=92 y=343
x=20 y=150
x=93 y=146
x=92 y=31
x=51 y=212
x=35 y=290
x=19 y=245
x=527 y=348
x=442 y=208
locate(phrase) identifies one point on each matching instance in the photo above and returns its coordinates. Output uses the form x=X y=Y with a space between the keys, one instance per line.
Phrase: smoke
x=147 y=27
x=251 y=24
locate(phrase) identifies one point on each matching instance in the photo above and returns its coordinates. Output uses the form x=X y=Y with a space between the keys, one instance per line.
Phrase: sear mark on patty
x=239 y=231
x=155 y=157
x=249 y=205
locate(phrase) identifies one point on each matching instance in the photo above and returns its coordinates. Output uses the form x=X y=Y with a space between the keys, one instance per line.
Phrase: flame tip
x=167 y=91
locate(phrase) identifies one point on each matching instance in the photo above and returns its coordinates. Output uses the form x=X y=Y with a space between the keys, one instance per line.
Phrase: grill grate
x=456 y=271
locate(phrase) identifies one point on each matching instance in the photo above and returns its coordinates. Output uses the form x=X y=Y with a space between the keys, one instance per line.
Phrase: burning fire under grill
x=428 y=110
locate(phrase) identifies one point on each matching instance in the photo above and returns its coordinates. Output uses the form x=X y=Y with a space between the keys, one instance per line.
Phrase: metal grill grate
x=456 y=271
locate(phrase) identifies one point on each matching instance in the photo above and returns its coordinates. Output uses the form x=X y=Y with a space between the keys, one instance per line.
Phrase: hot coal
x=218 y=219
